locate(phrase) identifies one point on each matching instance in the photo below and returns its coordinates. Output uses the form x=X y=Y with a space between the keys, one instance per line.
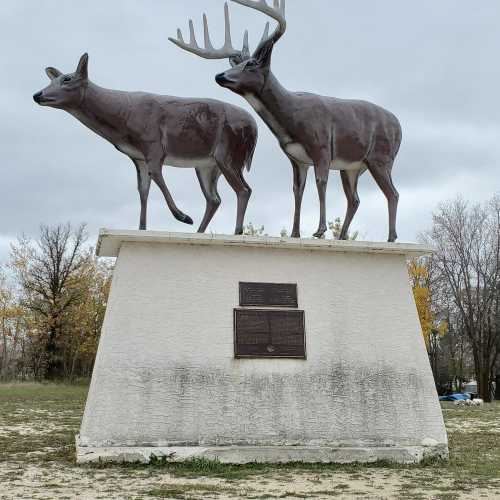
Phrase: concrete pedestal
x=166 y=381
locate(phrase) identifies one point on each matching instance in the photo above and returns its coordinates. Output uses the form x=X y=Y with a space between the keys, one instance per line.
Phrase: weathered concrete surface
x=261 y=454
x=165 y=375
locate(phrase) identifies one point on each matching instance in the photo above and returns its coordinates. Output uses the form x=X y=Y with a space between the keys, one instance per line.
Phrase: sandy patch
x=73 y=482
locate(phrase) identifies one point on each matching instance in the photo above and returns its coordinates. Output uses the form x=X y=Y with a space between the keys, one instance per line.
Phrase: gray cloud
x=434 y=64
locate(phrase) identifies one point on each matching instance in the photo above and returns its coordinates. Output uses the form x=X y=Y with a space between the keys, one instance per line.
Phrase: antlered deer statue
x=154 y=130
x=328 y=133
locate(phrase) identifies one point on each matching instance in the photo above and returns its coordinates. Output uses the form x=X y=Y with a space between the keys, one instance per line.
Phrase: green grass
x=38 y=423
x=211 y=468
x=22 y=392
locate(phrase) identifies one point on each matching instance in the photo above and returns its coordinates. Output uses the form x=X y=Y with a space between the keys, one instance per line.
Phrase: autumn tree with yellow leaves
x=61 y=296
x=432 y=327
x=11 y=326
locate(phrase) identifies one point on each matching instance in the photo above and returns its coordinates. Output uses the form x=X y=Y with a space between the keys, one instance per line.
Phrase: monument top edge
x=110 y=241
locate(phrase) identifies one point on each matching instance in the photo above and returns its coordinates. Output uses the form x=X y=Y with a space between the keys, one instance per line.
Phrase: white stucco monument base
x=166 y=382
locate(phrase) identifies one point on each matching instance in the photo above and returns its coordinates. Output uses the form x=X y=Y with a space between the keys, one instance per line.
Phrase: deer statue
x=153 y=130
x=324 y=132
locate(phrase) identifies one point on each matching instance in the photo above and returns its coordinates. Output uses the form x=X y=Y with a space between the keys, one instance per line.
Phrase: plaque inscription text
x=268 y=295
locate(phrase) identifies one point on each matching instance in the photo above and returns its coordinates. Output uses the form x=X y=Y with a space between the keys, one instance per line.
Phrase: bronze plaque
x=265 y=333
x=268 y=295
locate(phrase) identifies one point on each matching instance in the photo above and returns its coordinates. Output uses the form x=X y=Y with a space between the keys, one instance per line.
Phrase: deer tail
x=252 y=144
x=249 y=158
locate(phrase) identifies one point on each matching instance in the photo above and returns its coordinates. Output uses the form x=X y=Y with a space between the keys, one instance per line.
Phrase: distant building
x=471 y=387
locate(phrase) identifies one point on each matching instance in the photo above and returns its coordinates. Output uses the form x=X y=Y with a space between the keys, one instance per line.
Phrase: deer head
x=249 y=72
x=65 y=90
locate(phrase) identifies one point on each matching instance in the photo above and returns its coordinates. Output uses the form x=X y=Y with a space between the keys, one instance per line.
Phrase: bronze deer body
x=327 y=133
x=156 y=130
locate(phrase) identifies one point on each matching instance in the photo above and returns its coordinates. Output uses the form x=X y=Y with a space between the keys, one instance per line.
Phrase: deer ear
x=82 y=69
x=52 y=73
x=234 y=61
x=264 y=52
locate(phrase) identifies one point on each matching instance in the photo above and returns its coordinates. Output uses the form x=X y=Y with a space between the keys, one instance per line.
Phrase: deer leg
x=322 y=171
x=350 y=184
x=243 y=191
x=208 y=178
x=382 y=176
x=155 y=172
x=299 y=183
x=143 y=185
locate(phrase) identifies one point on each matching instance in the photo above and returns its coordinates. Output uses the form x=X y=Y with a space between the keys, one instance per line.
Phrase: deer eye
x=251 y=64
x=66 y=79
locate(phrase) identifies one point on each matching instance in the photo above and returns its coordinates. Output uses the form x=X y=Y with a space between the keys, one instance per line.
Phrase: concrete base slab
x=261 y=454
x=168 y=382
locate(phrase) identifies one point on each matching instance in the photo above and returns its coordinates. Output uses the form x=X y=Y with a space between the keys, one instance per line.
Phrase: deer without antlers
x=153 y=130
x=325 y=132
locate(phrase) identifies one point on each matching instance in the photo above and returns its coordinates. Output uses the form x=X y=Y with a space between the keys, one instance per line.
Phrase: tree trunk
x=53 y=363
x=483 y=380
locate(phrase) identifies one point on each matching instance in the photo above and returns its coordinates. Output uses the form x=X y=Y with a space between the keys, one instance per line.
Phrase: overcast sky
x=435 y=64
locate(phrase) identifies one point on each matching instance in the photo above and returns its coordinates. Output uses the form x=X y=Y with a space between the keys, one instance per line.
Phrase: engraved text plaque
x=268 y=295
x=269 y=333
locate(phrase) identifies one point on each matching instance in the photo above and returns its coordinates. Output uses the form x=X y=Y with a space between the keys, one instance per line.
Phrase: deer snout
x=38 y=97
x=221 y=78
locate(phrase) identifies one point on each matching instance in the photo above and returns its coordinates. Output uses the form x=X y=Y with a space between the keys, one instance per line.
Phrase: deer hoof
x=186 y=219
x=320 y=233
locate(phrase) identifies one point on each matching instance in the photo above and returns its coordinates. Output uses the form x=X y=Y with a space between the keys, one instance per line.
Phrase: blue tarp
x=455 y=397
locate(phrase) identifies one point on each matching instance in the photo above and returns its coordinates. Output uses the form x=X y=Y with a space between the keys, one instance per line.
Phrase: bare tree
x=49 y=276
x=336 y=228
x=467 y=261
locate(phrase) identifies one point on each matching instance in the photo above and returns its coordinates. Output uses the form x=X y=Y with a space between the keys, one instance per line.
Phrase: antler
x=277 y=12
x=227 y=51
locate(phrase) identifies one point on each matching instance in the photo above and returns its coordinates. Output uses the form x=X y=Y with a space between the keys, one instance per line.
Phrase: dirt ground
x=38 y=423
